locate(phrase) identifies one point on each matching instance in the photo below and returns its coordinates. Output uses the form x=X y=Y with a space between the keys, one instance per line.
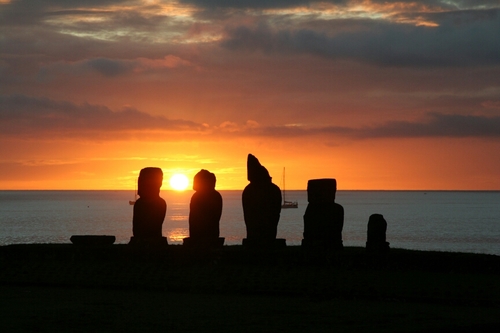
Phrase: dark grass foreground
x=48 y=288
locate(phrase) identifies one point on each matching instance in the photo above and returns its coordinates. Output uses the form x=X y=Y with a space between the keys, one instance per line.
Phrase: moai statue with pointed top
x=261 y=204
x=150 y=208
x=324 y=218
x=376 y=239
x=205 y=210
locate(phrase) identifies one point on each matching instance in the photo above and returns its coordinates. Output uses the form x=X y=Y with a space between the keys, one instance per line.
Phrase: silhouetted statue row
x=261 y=199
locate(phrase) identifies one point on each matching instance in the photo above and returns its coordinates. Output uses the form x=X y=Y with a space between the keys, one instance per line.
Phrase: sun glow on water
x=177 y=234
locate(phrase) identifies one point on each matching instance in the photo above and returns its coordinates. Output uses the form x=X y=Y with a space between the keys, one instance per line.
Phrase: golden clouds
x=398 y=12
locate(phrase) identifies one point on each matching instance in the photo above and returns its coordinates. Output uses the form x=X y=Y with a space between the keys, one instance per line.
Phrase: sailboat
x=287 y=204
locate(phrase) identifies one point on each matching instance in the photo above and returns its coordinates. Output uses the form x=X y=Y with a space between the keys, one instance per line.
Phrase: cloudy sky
x=378 y=94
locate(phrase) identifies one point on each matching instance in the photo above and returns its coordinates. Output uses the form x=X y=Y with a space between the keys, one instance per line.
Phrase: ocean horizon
x=437 y=220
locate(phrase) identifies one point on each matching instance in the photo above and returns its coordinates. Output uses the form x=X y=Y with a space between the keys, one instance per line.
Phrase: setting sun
x=424 y=115
x=179 y=182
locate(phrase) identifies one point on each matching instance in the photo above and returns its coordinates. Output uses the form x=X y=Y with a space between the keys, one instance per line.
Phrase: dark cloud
x=121 y=19
x=253 y=4
x=23 y=12
x=471 y=3
x=108 y=67
x=268 y=4
x=24 y=116
x=71 y=3
x=383 y=43
x=437 y=125
x=111 y=67
x=454 y=18
x=450 y=3
x=78 y=12
x=46 y=44
x=46 y=47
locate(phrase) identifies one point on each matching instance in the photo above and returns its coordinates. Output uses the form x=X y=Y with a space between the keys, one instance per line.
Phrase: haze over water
x=462 y=221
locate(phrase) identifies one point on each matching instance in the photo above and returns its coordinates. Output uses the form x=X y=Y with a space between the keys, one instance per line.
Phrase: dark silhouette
x=323 y=219
x=150 y=208
x=261 y=205
x=377 y=227
x=92 y=240
x=205 y=210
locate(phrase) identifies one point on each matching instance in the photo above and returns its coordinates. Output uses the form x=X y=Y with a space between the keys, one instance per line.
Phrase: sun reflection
x=178 y=218
x=177 y=234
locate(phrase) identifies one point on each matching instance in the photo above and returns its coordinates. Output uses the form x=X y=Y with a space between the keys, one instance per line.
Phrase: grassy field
x=47 y=288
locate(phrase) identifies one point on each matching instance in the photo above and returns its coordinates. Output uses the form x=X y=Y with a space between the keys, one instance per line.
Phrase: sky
x=390 y=95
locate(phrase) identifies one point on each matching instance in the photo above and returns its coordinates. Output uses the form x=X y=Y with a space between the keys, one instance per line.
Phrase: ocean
x=457 y=221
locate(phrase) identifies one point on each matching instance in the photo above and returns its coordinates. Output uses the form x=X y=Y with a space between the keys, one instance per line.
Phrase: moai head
x=321 y=190
x=204 y=181
x=377 y=224
x=256 y=172
x=149 y=183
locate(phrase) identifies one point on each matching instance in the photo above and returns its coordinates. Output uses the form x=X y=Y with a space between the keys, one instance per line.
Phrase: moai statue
x=149 y=209
x=323 y=219
x=261 y=205
x=205 y=210
x=377 y=227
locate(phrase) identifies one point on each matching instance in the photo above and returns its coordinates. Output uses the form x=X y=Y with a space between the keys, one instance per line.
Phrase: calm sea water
x=436 y=220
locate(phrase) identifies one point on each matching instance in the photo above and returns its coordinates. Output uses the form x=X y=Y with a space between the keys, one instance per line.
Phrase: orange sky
x=377 y=94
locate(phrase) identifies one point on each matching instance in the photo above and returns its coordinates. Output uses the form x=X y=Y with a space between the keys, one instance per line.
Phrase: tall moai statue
x=150 y=208
x=376 y=239
x=324 y=218
x=261 y=204
x=205 y=210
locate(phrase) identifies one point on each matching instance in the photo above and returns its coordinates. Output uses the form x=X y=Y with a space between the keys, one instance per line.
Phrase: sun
x=179 y=182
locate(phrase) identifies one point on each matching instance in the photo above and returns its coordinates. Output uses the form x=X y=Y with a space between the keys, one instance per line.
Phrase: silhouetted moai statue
x=377 y=227
x=323 y=219
x=261 y=206
x=205 y=210
x=149 y=209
